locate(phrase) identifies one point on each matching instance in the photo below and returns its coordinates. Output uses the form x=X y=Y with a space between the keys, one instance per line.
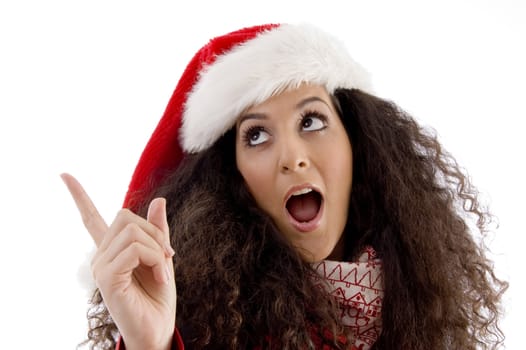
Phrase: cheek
x=338 y=176
x=256 y=172
x=252 y=177
x=344 y=168
x=337 y=161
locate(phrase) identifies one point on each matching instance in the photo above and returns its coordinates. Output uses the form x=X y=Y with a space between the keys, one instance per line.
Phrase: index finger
x=91 y=218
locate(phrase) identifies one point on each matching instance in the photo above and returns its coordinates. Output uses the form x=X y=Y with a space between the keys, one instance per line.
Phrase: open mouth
x=304 y=208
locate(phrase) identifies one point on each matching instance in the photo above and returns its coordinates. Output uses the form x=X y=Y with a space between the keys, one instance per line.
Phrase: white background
x=83 y=84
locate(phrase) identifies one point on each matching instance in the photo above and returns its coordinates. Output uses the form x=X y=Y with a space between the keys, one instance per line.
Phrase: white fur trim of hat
x=274 y=61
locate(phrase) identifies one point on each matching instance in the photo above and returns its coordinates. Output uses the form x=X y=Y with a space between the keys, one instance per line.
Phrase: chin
x=316 y=256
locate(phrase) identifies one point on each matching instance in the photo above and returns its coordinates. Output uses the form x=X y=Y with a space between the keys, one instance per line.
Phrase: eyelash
x=250 y=131
x=247 y=134
x=311 y=113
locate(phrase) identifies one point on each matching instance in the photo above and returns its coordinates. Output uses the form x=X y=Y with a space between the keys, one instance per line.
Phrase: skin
x=132 y=266
x=291 y=141
x=132 y=269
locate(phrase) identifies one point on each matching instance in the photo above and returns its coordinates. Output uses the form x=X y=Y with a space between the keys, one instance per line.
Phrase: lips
x=304 y=207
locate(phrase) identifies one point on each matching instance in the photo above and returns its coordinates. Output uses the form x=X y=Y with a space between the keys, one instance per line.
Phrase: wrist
x=133 y=345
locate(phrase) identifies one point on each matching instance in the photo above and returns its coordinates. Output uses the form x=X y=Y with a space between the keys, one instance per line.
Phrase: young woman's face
x=296 y=159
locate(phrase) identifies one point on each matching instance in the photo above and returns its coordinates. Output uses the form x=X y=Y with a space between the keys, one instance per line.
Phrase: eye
x=255 y=135
x=313 y=121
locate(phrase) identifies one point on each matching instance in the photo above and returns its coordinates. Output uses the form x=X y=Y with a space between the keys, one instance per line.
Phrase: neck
x=337 y=253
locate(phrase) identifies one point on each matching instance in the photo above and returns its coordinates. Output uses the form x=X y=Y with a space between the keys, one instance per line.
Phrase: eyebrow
x=308 y=100
x=299 y=105
x=251 y=116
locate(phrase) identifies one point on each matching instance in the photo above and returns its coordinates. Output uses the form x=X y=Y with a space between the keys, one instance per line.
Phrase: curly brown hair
x=240 y=284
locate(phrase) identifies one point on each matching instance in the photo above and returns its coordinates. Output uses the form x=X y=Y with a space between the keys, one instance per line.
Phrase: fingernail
x=169 y=250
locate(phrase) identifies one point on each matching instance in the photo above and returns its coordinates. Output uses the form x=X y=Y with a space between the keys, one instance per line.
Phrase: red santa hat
x=231 y=73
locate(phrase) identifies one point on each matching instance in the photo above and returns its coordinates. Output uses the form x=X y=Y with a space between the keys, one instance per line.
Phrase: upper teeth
x=302 y=191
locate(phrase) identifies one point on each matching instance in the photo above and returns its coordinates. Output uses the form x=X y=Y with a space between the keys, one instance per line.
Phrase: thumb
x=157 y=216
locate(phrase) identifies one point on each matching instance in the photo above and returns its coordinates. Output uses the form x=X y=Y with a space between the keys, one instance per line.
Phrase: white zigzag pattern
x=358 y=286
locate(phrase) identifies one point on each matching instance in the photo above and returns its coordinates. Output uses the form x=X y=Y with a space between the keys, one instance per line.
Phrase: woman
x=303 y=212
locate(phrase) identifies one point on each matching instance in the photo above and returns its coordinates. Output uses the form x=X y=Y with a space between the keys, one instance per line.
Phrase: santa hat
x=231 y=73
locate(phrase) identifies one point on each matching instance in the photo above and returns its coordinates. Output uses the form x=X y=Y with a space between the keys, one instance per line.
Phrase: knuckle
x=123 y=215
x=126 y=213
x=134 y=248
x=133 y=231
x=123 y=212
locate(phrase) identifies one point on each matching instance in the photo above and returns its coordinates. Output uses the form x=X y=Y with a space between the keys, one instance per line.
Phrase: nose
x=294 y=155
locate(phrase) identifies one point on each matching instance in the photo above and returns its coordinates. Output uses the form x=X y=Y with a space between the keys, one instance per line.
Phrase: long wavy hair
x=240 y=284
